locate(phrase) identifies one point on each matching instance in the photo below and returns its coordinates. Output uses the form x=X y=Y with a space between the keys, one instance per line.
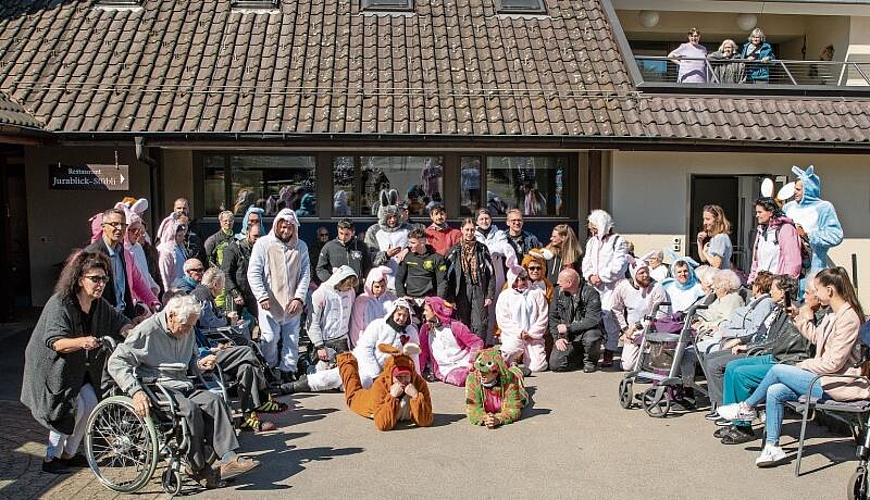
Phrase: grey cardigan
x=52 y=380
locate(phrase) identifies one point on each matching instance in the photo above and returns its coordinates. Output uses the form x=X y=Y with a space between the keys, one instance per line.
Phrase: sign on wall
x=90 y=176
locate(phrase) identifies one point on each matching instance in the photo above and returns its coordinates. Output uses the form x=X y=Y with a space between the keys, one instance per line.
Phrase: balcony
x=658 y=71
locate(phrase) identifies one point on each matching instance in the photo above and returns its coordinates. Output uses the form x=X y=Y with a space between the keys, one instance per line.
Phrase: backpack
x=806 y=250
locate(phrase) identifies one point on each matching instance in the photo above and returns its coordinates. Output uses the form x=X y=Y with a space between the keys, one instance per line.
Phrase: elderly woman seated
x=726 y=287
x=744 y=321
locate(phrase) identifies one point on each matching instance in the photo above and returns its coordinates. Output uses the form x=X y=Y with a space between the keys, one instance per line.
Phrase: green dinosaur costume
x=509 y=390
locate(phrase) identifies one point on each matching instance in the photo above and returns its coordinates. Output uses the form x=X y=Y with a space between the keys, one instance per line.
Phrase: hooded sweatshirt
x=331 y=309
x=279 y=271
x=606 y=256
x=450 y=345
x=244 y=232
x=371 y=361
x=518 y=311
x=380 y=237
x=367 y=308
x=683 y=295
x=816 y=217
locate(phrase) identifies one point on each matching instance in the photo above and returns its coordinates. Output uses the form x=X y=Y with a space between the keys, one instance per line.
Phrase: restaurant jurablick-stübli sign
x=91 y=176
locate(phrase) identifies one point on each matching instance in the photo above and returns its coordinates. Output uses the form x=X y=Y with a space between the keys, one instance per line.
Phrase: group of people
x=476 y=307
x=730 y=64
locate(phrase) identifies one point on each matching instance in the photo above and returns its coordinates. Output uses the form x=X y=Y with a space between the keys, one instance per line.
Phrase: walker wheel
x=655 y=403
x=625 y=393
x=857 y=489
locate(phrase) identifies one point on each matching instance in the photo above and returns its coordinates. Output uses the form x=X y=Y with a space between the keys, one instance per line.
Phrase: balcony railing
x=660 y=69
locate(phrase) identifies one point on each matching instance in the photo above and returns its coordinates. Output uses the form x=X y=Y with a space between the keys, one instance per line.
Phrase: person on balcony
x=690 y=58
x=758 y=54
x=725 y=64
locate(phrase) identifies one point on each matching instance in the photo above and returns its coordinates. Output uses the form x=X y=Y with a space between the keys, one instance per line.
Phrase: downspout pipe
x=155 y=197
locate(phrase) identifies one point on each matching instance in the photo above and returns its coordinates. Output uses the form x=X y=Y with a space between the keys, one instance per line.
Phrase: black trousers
x=210 y=423
x=241 y=364
x=585 y=347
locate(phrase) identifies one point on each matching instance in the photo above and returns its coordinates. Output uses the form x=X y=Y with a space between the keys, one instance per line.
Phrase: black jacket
x=109 y=291
x=580 y=312
x=455 y=277
x=335 y=254
x=422 y=275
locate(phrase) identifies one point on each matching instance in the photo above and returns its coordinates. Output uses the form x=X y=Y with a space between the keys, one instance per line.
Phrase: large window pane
x=344 y=199
x=418 y=180
x=274 y=182
x=532 y=184
x=214 y=184
x=469 y=185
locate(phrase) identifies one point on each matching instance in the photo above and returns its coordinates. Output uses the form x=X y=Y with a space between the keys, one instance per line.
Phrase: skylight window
x=254 y=4
x=520 y=6
x=392 y=5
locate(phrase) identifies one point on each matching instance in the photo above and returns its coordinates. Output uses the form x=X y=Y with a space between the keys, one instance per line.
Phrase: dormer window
x=520 y=6
x=388 y=5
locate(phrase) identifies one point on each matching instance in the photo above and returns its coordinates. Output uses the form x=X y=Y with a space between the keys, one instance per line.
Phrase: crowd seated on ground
x=423 y=318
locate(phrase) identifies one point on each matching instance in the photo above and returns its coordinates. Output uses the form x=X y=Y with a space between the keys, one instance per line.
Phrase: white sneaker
x=771 y=456
x=737 y=411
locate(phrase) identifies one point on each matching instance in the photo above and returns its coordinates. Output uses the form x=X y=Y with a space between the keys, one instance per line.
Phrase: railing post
x=787 y=72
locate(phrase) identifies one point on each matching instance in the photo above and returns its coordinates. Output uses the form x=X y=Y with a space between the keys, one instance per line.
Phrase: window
x=534 y=184
x=254 y=4
x=401 y=5
x=419 y=180
x=469 y=185
x=272 y=182
x=520 y=7
x=118 y=3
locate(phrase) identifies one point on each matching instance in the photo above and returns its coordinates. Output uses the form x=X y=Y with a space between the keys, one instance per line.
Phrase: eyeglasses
x=116 y=225
x=534 y=268
x=98 y=279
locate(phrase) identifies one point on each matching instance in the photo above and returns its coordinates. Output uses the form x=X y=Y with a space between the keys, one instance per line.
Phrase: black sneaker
x=589 y=369
x=55 y=466
x=739 y=434
x=77 y=461
x=713 y=415
x=721 y=432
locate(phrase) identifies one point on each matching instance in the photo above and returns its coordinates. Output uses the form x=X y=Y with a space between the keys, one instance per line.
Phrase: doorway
x=14 y=254
x=735 y=194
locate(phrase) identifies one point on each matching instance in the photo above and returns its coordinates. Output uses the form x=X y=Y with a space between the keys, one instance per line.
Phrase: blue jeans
x=782 y=383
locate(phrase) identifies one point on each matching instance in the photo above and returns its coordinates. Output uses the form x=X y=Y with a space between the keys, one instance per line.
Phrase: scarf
x=468 y=258
x=400 y=329
x=523 y=312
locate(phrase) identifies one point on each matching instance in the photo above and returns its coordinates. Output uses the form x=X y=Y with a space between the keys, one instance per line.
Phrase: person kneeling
x=494 y=394
x=397 y=394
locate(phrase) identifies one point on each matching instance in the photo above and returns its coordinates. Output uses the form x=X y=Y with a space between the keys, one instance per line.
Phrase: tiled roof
x=321 y=67
x=772 y=120
x=15 y=115
x=317 y=67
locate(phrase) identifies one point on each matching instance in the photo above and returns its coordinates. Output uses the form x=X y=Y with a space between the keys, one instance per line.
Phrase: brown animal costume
x=376 y=402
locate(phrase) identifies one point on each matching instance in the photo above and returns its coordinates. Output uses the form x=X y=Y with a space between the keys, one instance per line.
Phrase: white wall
x=650 y=196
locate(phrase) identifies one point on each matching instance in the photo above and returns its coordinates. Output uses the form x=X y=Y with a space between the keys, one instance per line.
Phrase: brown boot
x=607 y=362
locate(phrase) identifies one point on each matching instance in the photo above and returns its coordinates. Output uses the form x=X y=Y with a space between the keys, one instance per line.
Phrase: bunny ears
x=782 y=195
x=409 y=349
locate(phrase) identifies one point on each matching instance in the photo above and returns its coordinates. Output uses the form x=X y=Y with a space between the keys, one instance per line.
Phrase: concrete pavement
x=575 y=442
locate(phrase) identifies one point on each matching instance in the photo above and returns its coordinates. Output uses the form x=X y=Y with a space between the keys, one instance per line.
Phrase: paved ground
x=575 y=442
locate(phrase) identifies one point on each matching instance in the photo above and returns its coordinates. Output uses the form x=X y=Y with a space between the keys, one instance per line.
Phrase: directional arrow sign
x=90 y=177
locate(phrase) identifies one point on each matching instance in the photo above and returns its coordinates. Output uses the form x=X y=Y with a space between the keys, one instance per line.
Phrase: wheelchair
x=123 y=448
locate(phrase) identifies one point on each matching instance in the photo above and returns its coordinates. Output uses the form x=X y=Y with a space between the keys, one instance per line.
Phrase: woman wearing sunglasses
x=63 y=366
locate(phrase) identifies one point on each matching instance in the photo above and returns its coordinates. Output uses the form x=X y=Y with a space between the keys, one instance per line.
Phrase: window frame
x=255 y=4
x=386 y=6
x=512 y=7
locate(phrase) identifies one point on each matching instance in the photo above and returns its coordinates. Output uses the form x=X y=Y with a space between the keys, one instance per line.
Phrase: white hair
x=183 y=307
x=213 y=276
x=728 y=279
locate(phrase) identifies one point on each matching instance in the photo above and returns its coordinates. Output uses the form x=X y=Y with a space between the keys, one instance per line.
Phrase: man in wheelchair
x=163 y=348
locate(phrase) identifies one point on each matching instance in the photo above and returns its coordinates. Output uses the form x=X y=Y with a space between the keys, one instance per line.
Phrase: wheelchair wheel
x=655 y=403
x=121 y=447
x=857 y=489
x=625 y=393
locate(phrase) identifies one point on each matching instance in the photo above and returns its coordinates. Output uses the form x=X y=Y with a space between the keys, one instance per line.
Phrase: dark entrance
x=719 y=190
x=14 y=254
